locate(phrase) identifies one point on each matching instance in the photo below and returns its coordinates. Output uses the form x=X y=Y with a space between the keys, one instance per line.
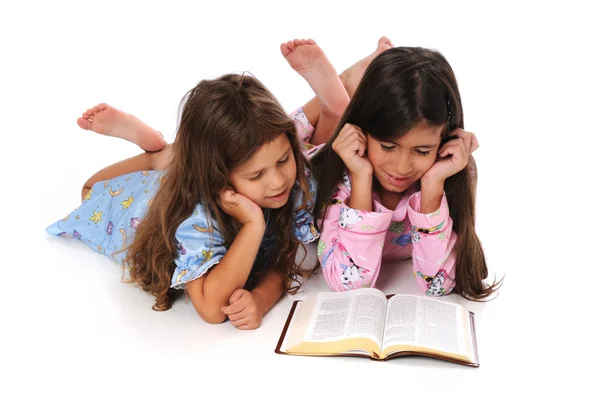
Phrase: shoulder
x=199 y=221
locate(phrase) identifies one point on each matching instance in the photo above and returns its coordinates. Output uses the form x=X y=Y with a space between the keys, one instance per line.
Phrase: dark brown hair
x=223 y=123
x=402 y=87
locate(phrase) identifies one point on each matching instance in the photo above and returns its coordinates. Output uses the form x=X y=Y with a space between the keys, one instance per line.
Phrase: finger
x=226 y=194
x=347 y=142
x=346 y=130
x=353 y=143
x=457 y=132
x=360 y=148
x=457 y=147
x=234 y=308
x=465 y=135
x=250 y=326
x=350 y=128
x=234 y=199
x=237 y=316
x=241 y=322
x=362 y=136
x=474 y=144
x=341 y=138
x=236 y=295
x=443 y=148
x=353 y=138
x=449 y=148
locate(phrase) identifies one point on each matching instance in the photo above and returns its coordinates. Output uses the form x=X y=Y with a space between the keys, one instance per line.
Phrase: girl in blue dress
x=225 y=219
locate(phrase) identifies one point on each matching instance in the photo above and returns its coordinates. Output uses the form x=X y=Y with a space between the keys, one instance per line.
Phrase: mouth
x=278 y=197
x=397 y=181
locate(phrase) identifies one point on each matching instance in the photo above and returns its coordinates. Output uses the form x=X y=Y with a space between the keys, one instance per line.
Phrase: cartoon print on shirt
x=416 y=237
x=402 y=240
x=327 y=253
x=349 y=217
x=435 y=284
x=350 y=273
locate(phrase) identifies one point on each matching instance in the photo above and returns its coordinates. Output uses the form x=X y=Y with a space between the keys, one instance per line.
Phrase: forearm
x=232 y=271
x=351 y=254
x=432 y=193
x=268 y=291
x=361 y=196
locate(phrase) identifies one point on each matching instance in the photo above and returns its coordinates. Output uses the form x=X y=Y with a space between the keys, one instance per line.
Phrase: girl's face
x=269 y=176
x=399 y=164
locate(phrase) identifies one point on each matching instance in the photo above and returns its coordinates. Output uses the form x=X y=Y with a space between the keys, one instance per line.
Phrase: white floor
x=529 y=81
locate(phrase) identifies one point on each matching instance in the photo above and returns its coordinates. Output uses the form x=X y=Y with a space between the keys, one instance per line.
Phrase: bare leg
x=352 y=76
x=140 y=162
x=106 y=120
x=350 y=79
x=307 y=58
x=144 y=161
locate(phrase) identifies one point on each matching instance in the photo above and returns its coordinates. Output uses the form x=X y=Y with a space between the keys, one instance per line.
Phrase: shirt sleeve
x=304 y=223
x=304 y=128
x=432 y=240
x=351 y=243
x=200 y=247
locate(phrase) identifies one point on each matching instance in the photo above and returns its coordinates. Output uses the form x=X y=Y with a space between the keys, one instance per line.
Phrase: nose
x=403 y=164
x=278 y=182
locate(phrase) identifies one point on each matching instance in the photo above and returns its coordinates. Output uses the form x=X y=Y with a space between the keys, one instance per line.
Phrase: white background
x=528 y=76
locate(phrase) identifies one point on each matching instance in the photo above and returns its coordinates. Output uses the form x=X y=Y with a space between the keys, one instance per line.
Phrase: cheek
x=376 y=156
x=424 y=163
x=243 y=186
x=291 y=171
x=252 y=190
x=238 y=185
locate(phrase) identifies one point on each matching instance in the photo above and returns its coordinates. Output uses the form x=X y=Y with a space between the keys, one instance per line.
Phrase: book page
x=424 y=322
x=338 y=316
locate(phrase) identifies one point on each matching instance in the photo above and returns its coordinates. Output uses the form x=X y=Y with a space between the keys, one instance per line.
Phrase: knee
x=84 y=191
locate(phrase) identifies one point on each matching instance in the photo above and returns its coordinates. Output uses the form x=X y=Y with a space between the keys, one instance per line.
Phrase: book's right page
x=427 y=325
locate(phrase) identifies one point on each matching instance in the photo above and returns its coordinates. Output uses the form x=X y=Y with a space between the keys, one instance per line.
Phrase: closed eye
x=387 y=148
x=422 y=153
x=283 y=161
x=256 y=177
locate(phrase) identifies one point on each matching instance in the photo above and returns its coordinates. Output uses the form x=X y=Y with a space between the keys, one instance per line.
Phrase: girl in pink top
x=397 y=180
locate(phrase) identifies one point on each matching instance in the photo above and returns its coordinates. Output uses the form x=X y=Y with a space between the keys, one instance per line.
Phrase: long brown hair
x=400 y=88
x=223 y=123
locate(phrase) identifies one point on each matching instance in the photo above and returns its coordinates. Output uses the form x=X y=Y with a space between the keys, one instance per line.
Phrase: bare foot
x=307 y=58
x=106 y=120
x=353 y=75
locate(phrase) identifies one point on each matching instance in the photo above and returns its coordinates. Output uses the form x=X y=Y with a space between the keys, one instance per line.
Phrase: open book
x=367 y=323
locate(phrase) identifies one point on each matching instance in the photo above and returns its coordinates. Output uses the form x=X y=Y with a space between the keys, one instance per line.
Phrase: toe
x=84 y=123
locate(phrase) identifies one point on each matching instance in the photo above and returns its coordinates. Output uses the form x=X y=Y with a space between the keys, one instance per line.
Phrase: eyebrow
x=252 y=173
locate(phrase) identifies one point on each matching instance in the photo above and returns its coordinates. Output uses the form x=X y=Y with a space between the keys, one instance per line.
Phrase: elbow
x=209 y=310
x=211 y=314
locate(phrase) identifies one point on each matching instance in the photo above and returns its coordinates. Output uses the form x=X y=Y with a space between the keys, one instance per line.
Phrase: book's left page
x=340 y=323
